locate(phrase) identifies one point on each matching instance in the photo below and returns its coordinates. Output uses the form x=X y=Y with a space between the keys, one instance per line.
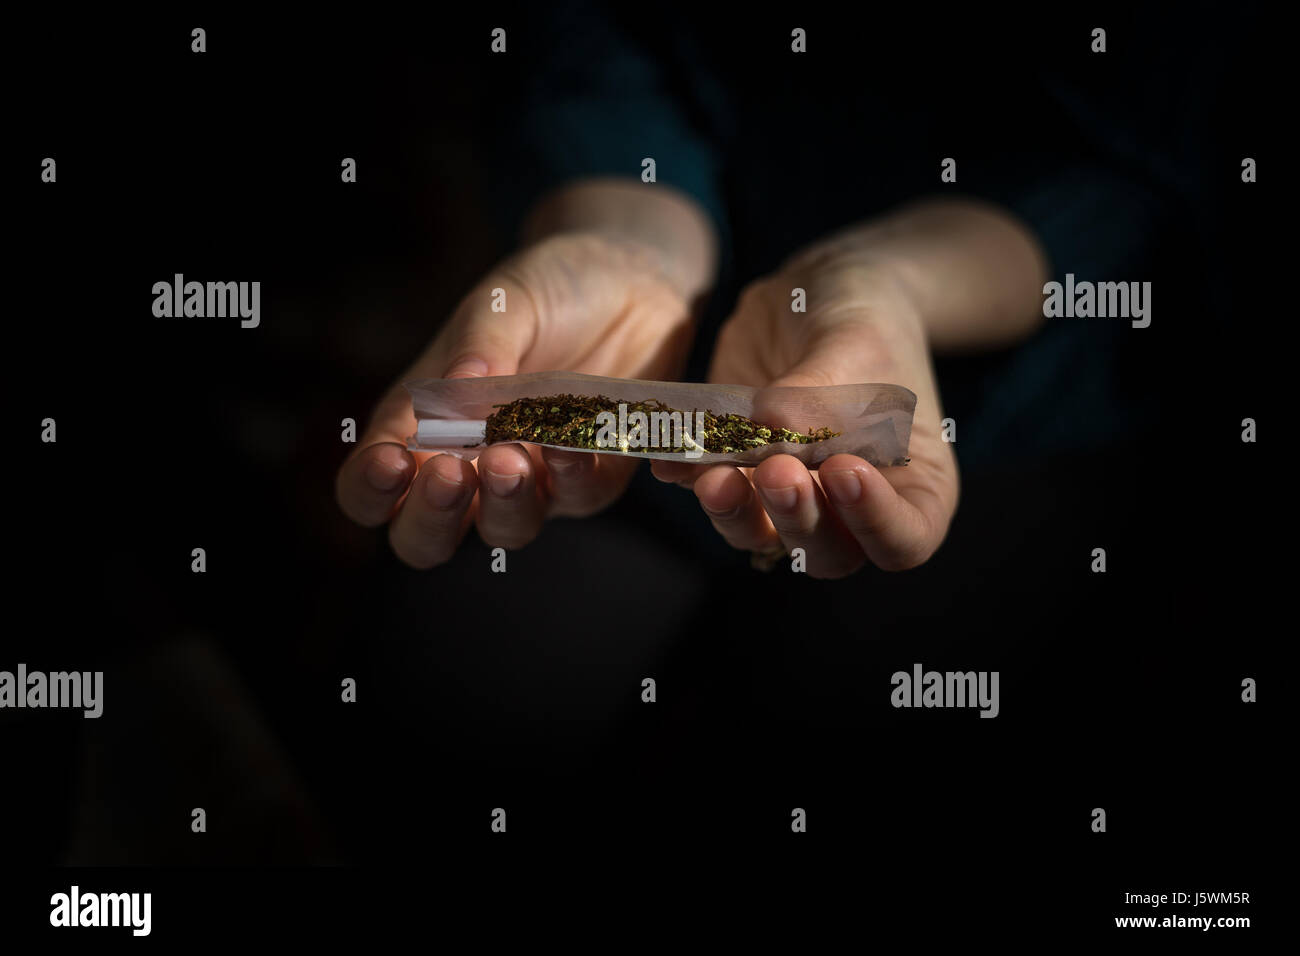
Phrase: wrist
x=666 y=224
x=867 y=287
x=973 y=271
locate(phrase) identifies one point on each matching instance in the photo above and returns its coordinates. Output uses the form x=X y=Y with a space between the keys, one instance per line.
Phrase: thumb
x=839 y=355
x=836 y=358
x=478 y=340
x=492 y=330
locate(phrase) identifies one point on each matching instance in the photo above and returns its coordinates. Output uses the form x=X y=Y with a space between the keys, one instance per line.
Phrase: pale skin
x=605 y=284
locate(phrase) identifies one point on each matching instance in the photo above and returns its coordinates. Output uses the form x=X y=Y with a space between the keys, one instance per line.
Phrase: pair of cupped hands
x=597 y=302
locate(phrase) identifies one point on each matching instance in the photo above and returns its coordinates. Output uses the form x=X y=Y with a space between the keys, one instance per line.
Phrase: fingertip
x=673 y=472
x=892 y=531
x=467 y=366
x=507 y=459
x=844 y=479
x=722 y=491
x=568 y=465
x=845 y=462
x=368 y=484
x=512 y=503
x=448 y=481
x=780 y=471
x=390 y=467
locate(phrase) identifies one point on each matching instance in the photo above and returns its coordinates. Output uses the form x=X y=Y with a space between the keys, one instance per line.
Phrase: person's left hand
x=861 y=326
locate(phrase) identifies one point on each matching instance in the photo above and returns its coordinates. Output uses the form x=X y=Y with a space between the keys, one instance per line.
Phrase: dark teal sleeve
x=576 y=96
x=1120 y=184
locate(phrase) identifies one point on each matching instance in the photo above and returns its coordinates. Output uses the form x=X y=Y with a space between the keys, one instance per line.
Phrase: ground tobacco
x=575 y=421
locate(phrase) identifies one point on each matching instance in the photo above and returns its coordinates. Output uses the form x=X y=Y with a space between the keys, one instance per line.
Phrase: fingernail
x=783 y=500
x=467 y=368
x=729 y=513
x=503 y=486
x=565 y=466
x=446 y=485
x=843 y=487
x=383 y=476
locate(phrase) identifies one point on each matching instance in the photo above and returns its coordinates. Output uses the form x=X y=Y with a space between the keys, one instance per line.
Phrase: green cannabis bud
x=574 y=421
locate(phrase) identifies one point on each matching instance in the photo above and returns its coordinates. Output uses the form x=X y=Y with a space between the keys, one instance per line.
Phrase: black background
x=476 y=691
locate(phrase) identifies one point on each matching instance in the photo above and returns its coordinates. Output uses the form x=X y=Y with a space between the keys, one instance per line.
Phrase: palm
x=600 y=308
x=844 y=338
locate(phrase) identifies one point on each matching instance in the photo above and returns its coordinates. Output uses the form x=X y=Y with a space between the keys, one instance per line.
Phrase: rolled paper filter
x=449 y=432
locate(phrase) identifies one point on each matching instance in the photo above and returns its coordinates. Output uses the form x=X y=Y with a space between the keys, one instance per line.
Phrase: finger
x=582 y=483
x=838 y=351
x=677 y=472
x=728 y=499
x=895 y=532
x=436 y=514
x=477 y=341
x=482 y=341
x=371 y=482
x=798 y=511
x=511 y=505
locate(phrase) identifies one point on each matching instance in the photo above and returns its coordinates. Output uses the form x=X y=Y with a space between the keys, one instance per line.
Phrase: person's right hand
x=583 y=302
